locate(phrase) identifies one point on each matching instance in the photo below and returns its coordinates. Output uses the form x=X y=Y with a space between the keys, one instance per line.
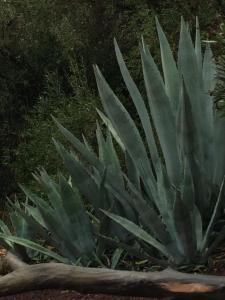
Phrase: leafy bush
x=76 y=110
x=37 y=40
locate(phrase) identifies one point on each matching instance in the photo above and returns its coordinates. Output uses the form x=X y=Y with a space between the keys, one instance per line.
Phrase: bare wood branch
x=167 y=283
x=13 y=261
x=10 y=262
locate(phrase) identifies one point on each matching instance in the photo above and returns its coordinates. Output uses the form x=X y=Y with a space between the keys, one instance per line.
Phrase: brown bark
x=167 y=283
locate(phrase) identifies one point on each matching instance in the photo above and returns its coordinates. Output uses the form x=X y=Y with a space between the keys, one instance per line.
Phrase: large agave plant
x=169 y=196
x=175 y=175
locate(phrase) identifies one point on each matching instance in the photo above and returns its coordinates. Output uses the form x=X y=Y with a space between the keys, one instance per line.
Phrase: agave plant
x=175 y=174
x=169 y=196
x=23 y=226
x=67 y=221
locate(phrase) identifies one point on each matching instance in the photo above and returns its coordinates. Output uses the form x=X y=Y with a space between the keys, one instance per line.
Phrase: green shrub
x=77 y=110
x=37 y=39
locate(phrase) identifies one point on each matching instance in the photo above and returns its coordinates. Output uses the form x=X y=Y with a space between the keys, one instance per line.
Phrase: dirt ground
x=67 y=295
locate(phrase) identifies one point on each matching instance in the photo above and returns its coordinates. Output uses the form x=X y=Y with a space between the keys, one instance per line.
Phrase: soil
x=68 y=295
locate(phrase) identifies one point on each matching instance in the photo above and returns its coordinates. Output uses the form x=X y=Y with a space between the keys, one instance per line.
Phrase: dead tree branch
x=167 y=283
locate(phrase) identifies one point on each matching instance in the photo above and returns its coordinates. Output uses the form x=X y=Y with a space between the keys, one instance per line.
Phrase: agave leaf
x=125 y=126
x=192 y=79
x=209 y=82
x=166 y=194
x=139 y=104
x=109 y=125
x=184 y=227
x=76 y=213
x=81 y=148
x=34 y=246
x=105 y=227
x=88 y=146
x=22 y=228
x=87 y=183
x=60 y=228
x=116 y=257
x=5 y=230
x=124 y=199
x=189 y=65
x=132 y=250
x=52 y=191
x=139 y=233
x=190 y=149
x=128 y=132
x=46 y=181
x=171 y=76
x=197 y=220
x=101 y=143
x=112 y=152
x=109 y=157
x=188 y=142
x=55 y=197
x=198 y=48
x=80 y=176
x=187 y=188
x=114 y=163
x=202 y=109
x=161 y=113
x=214 y=216
x=132 y=171
x=188 y=196
x=165 y=202
x=148 y=216
x=26 y=226
x=108 y=227
x=20 y=225
x=35 y=213
x=209 y=71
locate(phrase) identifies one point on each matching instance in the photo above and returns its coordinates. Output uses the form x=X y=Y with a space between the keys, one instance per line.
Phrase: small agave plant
x=23 y=226
x=171 y=193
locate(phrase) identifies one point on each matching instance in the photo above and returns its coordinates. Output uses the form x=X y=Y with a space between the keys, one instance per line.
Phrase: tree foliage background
x=47 y=48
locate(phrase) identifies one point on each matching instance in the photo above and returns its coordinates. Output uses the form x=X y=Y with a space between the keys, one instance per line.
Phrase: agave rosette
x=177 y=191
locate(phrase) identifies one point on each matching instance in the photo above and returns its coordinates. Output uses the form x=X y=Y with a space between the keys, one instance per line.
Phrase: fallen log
x=21 y=277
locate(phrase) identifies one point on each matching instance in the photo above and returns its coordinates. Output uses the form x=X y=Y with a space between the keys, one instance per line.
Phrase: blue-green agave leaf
x=139 y=233
x=171 y=76
x=214 y=216
x=162 y=114
x=139 y=104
